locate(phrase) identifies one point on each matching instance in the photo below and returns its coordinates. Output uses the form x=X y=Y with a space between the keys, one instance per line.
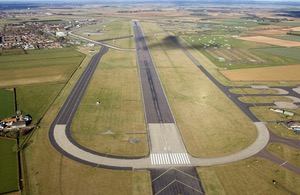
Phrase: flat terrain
x=109 y=126
x=278 y=73
x=252 y=176
x=292 y=155
x=39 y=66
x=7 y=103
x=8 y=165
x=64 y=171
x=272 y=41
x=205 y=116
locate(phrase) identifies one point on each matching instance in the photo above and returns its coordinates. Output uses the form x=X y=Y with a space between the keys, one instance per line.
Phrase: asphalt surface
x=180 y=180
x=157 y=109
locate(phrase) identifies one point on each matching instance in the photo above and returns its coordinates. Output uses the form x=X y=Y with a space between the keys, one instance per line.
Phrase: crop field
x=292 y=155
x=288 y=37
x=7 y=103
x=109 y=126
x=272 y=41
x=197 y=103
x=8 y=166
x=234 y=56
x=278 y=73
x=284 y=52
x=251 y=176
x=232 y=53
x=35 y=99
x=39 y=66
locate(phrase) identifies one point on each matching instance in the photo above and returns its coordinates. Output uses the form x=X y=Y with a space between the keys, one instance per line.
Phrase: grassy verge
x=252 y=176
x=252 y=91
x=282 y=131
x=7 y=103
x=263 y=99
x=44 y=166
x=292 y=155
x=264 y=114
x=211 y=125
x=109 y=126
x=8 y=166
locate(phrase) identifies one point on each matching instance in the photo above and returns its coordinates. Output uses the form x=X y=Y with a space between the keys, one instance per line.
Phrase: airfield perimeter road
x=61 y=138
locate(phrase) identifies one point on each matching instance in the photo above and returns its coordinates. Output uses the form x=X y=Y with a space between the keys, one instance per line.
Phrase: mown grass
x=7 y=103
x=282 y=131
x=44 y=166
x=252 y=91
x=8 y=166
x=252 y=176
x=263 y=113
x=292 y=155
x=109 y=126
x=263 y=99
x=210 y=124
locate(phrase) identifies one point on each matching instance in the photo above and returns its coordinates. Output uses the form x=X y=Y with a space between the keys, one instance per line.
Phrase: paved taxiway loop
x=60 y=138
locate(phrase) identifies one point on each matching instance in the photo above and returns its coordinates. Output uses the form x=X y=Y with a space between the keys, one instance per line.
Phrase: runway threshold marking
x=169 y=159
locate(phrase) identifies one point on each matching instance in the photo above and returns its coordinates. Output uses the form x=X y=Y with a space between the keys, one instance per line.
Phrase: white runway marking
x=169 y=159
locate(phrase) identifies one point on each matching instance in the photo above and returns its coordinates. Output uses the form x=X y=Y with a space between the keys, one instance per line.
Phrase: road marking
x=169 y=159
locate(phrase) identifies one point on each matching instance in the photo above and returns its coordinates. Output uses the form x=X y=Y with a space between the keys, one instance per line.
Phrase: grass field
x=39 y=66
x=8 y=166
x=109 y=29
x=251 y=176
x=282 y=131
x=63 y=174
x=263 y=113
x=278 y=73
x=284 y=52
x=252 y=91
x=108 y=127
x=7 y=103
x=263 y=99
x=292 y=155
x=272 y=41
x=211 y=125
x=288 y=37
x=35 y=99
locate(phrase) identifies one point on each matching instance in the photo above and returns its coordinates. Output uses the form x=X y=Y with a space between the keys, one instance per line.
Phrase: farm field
x=197 y=103
x=278 y=73
x=35 y=99
x=232 y=53
x=272 y=41
x=252 y=176
x=284 y=52
x=119 y=118
x=7 y=103
x=288 y=37
x=8 y=166
x=292 y=155
x=39 y=66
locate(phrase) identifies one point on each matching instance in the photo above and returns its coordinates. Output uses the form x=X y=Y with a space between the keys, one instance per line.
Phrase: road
x=167 y=148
